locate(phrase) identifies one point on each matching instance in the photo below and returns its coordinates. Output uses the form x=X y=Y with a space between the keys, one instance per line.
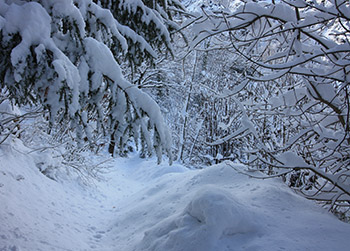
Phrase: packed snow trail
x=140 y=206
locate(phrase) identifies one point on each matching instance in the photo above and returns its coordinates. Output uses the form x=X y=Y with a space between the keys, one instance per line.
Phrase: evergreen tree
x=63 y=55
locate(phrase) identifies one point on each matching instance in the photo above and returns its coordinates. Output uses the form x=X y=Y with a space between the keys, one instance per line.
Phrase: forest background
x=263 y=83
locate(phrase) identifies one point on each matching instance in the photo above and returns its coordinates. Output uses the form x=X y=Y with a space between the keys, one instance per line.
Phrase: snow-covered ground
x=138 y=205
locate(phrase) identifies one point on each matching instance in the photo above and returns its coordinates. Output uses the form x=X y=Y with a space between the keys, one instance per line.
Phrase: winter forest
x=174 y=125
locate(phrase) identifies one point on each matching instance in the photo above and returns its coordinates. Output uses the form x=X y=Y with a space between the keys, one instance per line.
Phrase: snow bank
x=217 y=209
x=38 y=213
x=211 y=214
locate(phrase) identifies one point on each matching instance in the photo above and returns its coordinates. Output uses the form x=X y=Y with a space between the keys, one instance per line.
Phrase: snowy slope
x=141 y=206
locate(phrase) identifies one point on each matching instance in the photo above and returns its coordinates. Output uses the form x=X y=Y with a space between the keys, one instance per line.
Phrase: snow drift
x=211 y=215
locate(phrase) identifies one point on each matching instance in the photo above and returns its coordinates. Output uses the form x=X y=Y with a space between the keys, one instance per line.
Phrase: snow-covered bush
x=297 y=118
x=63 y=55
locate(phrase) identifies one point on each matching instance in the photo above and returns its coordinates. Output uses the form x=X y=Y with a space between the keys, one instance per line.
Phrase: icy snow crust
x=141 y=206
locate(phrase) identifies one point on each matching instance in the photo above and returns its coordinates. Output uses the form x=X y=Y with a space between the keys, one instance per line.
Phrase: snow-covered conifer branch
x=59 y=53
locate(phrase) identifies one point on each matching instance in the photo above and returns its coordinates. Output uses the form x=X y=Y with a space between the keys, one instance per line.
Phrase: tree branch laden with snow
x=300 y=50
x=64 y=56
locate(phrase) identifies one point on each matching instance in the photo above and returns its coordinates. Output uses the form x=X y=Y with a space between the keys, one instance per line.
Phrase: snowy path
x=41 y=214
x=144 y=207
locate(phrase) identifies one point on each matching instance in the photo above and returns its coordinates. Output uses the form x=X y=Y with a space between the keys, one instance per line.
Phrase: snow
x=148 y=16
x=33 y=26
x=139 y=205
x=7 y=108
x=67 y=8
x=108 y=20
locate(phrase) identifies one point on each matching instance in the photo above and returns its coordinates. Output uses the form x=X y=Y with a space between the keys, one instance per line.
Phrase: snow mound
x=220 y=211
x=211 y=214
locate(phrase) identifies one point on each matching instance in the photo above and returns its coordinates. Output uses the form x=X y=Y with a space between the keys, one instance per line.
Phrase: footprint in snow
x=98 y=236
x=10 y=248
